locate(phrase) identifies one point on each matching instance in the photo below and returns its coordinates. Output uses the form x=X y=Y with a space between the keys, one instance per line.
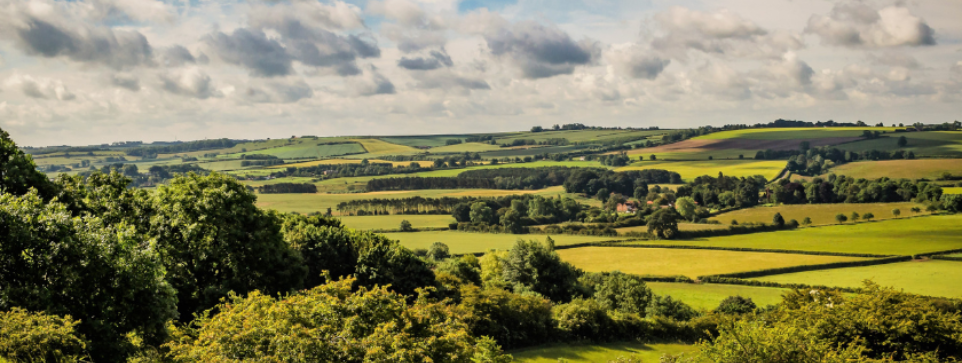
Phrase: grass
x=952 y=190
x=221 y=165
x=929 y=277
x=580 y=135
x=821 y=214
x=344 y=161
x=911 y=169
x=464 y=242
x=529 y=151
x=381 y=147
x=304 y=148
x=472 y=147
x=792 y=133
x=601 y=353
x=688 y=262
x=905 y=236
x=422 y=140
x=928 y=143
x=391 y=222
x=692 y=169
x=709 y=296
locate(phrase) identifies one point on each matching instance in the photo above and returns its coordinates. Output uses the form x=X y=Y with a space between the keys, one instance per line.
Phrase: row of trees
x=514 y=214
x=594 y=182
x=287 y=188
x=189 y=146
x=843 y=189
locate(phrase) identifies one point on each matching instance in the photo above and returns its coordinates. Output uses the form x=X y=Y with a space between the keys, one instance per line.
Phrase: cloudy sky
x=91 y=71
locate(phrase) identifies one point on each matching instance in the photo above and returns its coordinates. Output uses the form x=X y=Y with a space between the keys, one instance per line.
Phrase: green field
x=598 y=353
x=911 y=169
x=392 y=222
x=471 y=147
x=708 y=296
x=691 y=263
x=952 y=190
x=580 y=135
x=792 y=133
x=904 y=236
x=464 y=242
x=821 y=214
x=930 y=277
x=692 y=169
x=304 y=149
x=530 y=151
x=422 y=140
x=927 y=143
x=376 y=147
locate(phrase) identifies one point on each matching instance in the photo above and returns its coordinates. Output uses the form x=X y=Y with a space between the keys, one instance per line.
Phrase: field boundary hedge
x=939 y=253
x=743 y=282
x=805 y=268
x=947 y=258
x=734 y=249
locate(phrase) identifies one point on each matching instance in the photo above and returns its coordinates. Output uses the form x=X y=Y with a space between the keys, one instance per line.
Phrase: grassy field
x=422 y=140
x=529 y=151
x=391 y=222
x=303 y=148
x=381 y=147
x=931 y=277
x=471 y=147
x=792 y=133
x=911 y=169
x=691 y=263
x=463 y=242
x=580 y=135
x=904 y=236
x=952 y=190
x=221 y=165
x=597 y=353
x=928 y=143
x=821 y=214
x=692 y=169
x=708 y=296
x=344 y=161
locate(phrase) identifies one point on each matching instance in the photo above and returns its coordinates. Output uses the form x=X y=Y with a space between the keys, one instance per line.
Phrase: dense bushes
x=590 y=182
x=513 y=320
x=37 y=337
x=287 y=188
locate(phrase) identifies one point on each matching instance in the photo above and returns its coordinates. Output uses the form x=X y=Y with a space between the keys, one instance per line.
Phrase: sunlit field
x=820 y=214
x=593 y=353
x=931 y=277
x=692 y=169
x=465 y=242
x=911 y=169
x=708 y=296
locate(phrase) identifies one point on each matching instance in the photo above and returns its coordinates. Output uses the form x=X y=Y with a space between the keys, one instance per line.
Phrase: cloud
x=634 y=62
x=448 y=79
x=371 y=83
x=252 y=49
x=791 y=69
x=957 y=67
x=721 y=32
x=435 y=60
x=190 y=82
x=127 y=81
x=177 y=56
x=42 y=88
x=414 y=29
x=540 y=51
x=894 y=59
x=278 y=91
x=857 y=25
x=129 y=10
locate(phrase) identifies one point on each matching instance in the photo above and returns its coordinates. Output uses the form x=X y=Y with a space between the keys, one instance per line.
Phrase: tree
x=537 y=129
x=686 y=207
x=868 y=216
x=805 y=145
x=603 y=194
x=406 y=226
x=854 y=217
x=531 y=265
x=670 y=308
x=903 y=141
x=322 y=325
x=896 y=212
x=806 y=221
x=618 y=291
x=841 y=218
x=18 y=173
x=736 y=305
x=513 y=320
x=653 y=157
x=38 y=337
x=641 y=192
x=916 y=210
x=482 y=214
x=438 y=251
x=778 y=220
x=663 y=223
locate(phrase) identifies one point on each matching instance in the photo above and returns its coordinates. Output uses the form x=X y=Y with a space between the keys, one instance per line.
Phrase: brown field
x=702 y=145
x=912 y=169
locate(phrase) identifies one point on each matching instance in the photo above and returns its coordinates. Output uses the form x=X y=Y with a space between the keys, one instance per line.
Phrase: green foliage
x=663 y=223
x=618 y=291
x=807 y=221
x=952 y=202
x=531 y=265
x=736 y=305
x=438 y=251
x=686 y=207
x=37 y=337
x=467 y=268
x=841 y=218
x=213 y=239
x=406 y=226
x=331 y=323
x=481 y=213
x=513 y=320
x=382 y=262
x=583 y=319
x=18 y=173
x=81 y=267
x=665 y=306
x=748 y=341
x=778 y=220
x=323 y=246
x=896 y=212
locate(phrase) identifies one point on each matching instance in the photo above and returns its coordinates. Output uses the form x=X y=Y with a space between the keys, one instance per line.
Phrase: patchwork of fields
x=692 y=169
x=911 y=169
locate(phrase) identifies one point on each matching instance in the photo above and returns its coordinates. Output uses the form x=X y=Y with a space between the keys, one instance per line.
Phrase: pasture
x=926 y=277
x=422 y=140
x=393 y=222
x=381 y=147
x=709 y=296
x=304 y=149
x=911 y=169
x=681 y=227
x=307 y=164
x=926 y=143
x=904 y=236
x=821 y=214
x=466 y=242
x=594 y=353
x=471 y=147
x=687 y=262
x=580 y=135
x=693 y=169
x=792 y=133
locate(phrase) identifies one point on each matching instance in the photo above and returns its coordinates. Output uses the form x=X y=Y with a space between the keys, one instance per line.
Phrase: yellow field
x=925 y=277
x=393 y=222
x=952 y=190
x=821 y=214
x=692 y=263
x=708 y=296
x=345 y=161
x=911 y=169
x=692 y=169
x=381 y=147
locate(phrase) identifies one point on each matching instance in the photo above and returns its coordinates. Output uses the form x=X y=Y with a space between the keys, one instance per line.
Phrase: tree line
x=189 y=146
x=287 y=188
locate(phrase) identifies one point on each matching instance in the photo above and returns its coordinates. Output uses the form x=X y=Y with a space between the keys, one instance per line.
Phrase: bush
x=406 y=226
x=467 y=268
x=535 y=266
x=583 y=319
x=618 y=291
x=37 y=337
x=736 y=305
x=513 y=320
x=438 y=251
x=665 y=306
x=778 y=220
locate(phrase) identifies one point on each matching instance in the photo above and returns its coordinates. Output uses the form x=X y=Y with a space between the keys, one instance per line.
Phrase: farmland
x=708 y=296
x=686 y=262
x=592 y=353
x=304 y=149
x=464 y=242
x=379 y=147
x=692 y=169
x=820 y=214
x=928 y=277
x=393 y=222
x=904 y=236
x=912 y=169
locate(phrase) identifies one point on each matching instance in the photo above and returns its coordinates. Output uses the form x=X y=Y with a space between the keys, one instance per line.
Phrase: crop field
x=393 y=222
x=465 y=242
x=911 y=169
x=693 y=169
x=471 y=147
x=529 y=151
x=221 y=165
x=422 y=140
x=792 y=133
x=927 y=277
x=821 y=214
x=904 y=236
x=595 y=353
x=952 y=190
x=581 y=135
x=381 y=147
x=691 y=263
x=344 y=161
x=927 y=143
x=708 y=296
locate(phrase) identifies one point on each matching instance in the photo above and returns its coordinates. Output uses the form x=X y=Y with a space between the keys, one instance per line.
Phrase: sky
x=87 y=72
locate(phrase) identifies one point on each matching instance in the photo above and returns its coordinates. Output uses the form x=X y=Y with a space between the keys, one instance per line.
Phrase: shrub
x=37 y=337
x=736 y=305
x=438 y=251
x=670 y=308
x=807 y=221
x=583 y=319
x=513 y=320
x=841 y=218
x=467 y=268
x=792 y=224
x=535 y=266
x=406 y=226
x=778 y=220
x=896 y=212
x=868 y=216
x=618 y=291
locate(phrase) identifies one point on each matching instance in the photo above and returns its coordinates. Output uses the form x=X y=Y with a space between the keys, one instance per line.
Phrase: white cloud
x=856 y=24
x=635 y=62
x=43 y=88
x=721 y=32
x=190 y=82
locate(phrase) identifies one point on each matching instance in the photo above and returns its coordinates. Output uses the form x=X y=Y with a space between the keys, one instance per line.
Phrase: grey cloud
x=191 y=83
x=541 y=51
x=436 y=59
x=720 y=32
x=893 y=59
x=279 y=92
x=856 y=24
x=371 y=83
x=127 y=81
x=113 y=48
x=42 y=88
x=448 y=80
x=30 y=88
x=636 y=63
x=252 y=49
x=177 y=56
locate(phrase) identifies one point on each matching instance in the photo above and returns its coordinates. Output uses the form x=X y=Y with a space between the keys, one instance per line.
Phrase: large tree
x=18 y=173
